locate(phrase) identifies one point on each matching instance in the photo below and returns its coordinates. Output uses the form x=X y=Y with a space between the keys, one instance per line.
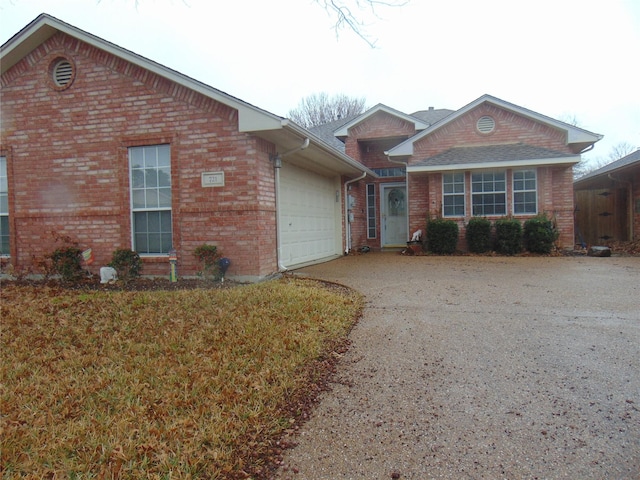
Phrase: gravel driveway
x=481 y=367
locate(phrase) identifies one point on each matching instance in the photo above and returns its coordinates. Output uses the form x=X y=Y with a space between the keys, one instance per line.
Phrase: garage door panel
x=309 y=216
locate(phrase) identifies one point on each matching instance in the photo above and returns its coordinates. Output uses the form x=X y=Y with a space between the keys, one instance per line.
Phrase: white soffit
x=495 y=165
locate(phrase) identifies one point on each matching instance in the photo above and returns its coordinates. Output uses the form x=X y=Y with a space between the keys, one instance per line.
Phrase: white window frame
x=372 y=213
x=4 y=208
x=525 y=190
x=488 y=187
x=453 y=183
x=150 y=192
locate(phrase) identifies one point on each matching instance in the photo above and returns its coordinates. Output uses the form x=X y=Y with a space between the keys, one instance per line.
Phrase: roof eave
x=572 y=160
x=575 y=135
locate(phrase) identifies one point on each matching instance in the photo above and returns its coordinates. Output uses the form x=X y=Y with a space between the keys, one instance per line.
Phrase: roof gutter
x=277 y=165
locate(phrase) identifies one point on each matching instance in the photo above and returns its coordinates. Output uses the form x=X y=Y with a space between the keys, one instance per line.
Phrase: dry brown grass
x=173 y=384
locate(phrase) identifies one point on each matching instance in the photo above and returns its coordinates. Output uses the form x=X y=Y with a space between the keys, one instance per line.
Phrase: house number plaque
x=213 y=179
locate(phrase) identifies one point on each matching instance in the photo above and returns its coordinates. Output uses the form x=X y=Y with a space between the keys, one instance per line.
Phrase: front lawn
x=160 y=384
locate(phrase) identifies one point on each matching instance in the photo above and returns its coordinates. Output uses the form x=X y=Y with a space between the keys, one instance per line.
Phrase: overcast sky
x=574 y=60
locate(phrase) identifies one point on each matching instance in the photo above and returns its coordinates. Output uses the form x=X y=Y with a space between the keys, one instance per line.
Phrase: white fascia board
x=494 y=165
x=252 y=120
x=321 y=144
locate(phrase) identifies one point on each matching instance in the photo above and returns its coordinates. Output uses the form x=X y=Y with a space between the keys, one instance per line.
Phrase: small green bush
x=479 y=235
x=539 y=234
x=442 y=236
x=67 y=262
x=208 y=257
x=508 y=236
x=127 y=264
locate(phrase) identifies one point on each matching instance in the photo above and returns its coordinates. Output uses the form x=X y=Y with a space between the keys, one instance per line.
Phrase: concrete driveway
x=481 y=367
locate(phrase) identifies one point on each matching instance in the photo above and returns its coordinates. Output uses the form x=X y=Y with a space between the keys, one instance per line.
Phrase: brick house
x=491 y=158
x=113 y=150
x=608 y=202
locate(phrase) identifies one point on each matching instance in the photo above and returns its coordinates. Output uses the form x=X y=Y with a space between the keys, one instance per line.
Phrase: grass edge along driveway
x=162 y=384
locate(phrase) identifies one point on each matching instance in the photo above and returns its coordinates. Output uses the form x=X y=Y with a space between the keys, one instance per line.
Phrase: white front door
x=394 y=215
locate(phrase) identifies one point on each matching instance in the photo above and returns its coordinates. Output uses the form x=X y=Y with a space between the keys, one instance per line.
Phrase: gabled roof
x=343 y=131
x=575 y=135
x=251 y=119
x=492 y=156
x=628 y=161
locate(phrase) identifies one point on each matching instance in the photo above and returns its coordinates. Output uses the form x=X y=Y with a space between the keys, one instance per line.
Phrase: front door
x=394 y=215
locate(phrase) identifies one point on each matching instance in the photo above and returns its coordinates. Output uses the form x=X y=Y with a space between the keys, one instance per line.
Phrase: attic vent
x=62 y=73
x=486 y=124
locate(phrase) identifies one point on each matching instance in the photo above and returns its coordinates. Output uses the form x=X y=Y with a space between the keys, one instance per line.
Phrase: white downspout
x=277 y=165
x=347 y=224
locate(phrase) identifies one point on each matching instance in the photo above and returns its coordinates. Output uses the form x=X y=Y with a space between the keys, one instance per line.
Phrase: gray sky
x=574 y=60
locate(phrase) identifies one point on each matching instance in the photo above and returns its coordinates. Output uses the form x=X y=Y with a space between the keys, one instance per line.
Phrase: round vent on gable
x=62 y=73
x=486 y=124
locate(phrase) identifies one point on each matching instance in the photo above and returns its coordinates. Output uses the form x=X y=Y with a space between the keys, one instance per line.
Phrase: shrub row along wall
x=507 y=236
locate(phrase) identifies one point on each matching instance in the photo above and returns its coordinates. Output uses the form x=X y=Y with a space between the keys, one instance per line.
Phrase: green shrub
x=539 y=234
x=442 y=236
x=479 y=235
x=508 y=236
x=67 y=262
x=208 y=257
x=127 y=264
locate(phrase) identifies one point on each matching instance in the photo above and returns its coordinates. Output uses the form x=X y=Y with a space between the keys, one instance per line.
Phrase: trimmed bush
x=479 y=235
x=67 y=262
x=539 y=234
x=208 y=257
x=508 y=236
x=442 y=236
x=127 y=263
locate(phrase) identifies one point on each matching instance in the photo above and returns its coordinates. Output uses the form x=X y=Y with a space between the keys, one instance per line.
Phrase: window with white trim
x=371 y=211
x=525 y=192
x=488 y=193
x=453 y=194
x=4 y=208
x=150 y=171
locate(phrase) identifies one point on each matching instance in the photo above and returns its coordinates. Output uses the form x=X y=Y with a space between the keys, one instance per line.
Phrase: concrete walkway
x=481 y=367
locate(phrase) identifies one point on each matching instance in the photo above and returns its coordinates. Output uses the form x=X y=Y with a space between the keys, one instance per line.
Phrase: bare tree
x=349 y=13
x=319 y=108
x=618 y=151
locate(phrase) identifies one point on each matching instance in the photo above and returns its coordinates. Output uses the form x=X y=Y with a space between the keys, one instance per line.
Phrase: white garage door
x=310 y=221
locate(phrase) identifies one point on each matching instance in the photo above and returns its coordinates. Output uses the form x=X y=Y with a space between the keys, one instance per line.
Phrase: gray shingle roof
x=326 y=131
x=432 y=116
x=625 y=161
x=491 y=153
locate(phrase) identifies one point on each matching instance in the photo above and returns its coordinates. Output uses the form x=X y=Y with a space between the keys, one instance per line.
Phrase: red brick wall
x=510 y=128
x=379 y=126
x=555 y=199
x=68 y=163
x=367 y=143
